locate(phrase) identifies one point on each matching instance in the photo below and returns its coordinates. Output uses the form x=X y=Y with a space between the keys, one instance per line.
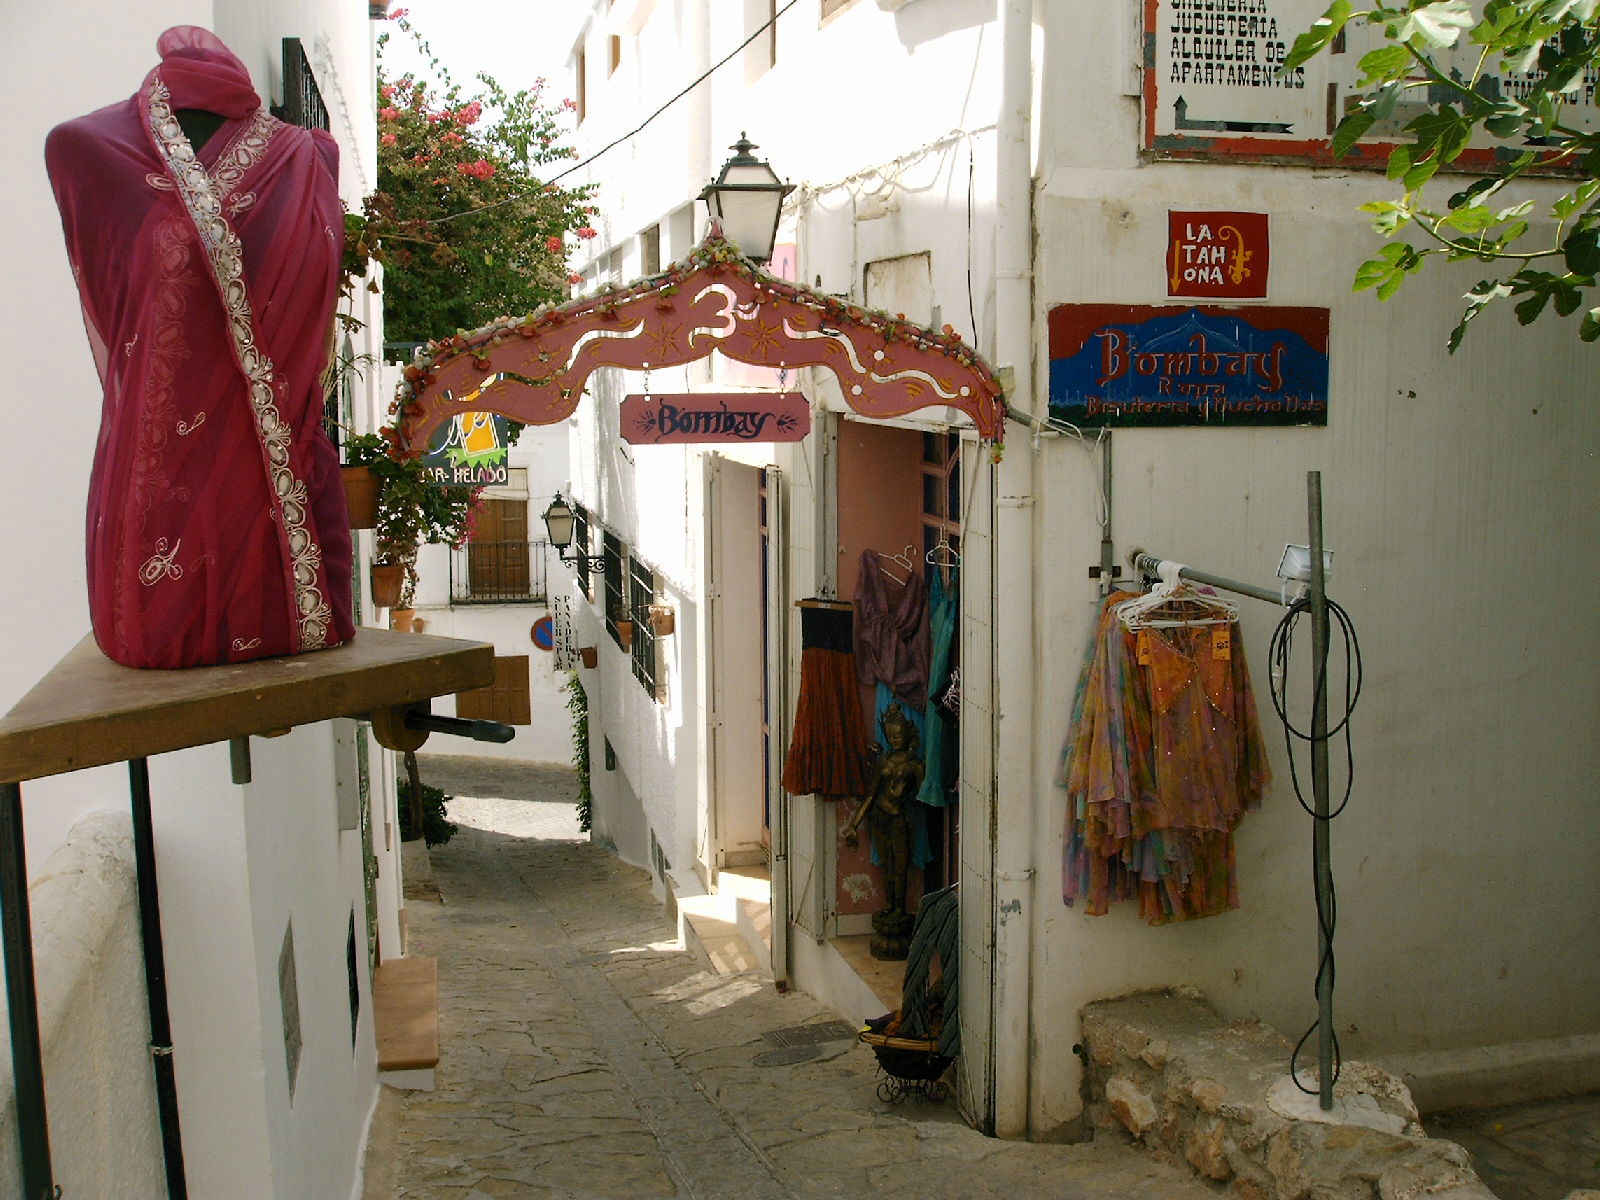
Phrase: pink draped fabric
x=217 y=529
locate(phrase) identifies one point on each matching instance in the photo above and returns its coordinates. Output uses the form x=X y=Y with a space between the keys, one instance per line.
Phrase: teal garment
x=943 y=605
x=921 y=851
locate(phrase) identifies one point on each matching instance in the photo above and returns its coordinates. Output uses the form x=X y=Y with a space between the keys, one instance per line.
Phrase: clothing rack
x=1317 y=597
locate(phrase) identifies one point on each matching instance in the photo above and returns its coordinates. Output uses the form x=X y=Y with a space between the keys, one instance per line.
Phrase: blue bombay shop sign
x=1134 y=364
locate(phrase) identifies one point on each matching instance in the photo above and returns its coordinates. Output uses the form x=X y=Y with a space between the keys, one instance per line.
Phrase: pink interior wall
x=880 y=508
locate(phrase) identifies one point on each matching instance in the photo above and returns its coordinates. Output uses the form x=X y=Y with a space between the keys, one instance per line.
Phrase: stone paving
x=585 y=1053
x=1536 y=1151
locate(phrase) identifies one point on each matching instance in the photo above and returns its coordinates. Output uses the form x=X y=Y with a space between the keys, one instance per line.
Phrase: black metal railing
x=302 y=98
x=498 y=573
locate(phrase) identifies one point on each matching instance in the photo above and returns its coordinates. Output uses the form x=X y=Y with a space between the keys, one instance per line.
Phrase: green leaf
x=1371 y=273
x=1350 y=130
x=1420 y=173
x=1589 y=330
x=1567 y=296
x=1487 y=291
x=1384 y=64
x=1578 y=198
x=1470 y=195
x=1387 y=216
x=1400 y=160
x=1438 y=24
x=1582 y=252
x=1528 y=310
x=1504 y=124
x=1474 y=218
x=1323 y=30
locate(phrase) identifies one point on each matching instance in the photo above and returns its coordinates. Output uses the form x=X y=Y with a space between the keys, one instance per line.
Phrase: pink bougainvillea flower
x=574 y=278
x=452 y=138
x=387 y=91
x=389 y=114
x=482 y=169
x=586 y=232
x=468 y=114
x=388 y=139
x=553 y=244
x=398 y=13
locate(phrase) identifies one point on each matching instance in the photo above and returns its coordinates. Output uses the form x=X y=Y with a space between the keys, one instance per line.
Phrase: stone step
x=732 y=927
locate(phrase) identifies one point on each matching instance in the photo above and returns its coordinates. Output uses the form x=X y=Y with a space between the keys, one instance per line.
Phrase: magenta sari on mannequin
x=216 y=527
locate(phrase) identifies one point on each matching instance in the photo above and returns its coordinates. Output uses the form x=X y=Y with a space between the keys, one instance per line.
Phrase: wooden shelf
x=89 y=711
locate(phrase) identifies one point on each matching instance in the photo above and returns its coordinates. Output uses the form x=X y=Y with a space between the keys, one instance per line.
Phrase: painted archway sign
x=533 y=369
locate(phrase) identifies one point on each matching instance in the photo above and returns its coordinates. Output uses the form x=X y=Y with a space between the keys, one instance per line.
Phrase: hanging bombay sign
x=1114 y=365
x=711 y=417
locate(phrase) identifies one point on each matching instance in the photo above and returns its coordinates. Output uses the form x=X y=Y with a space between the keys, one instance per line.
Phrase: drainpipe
x=1013 y=584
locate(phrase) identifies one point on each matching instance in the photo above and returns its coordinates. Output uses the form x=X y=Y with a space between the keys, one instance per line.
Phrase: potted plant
x=624 y=627
x=411 y=511
x=360 y=494
x=590 y=656
x=662 y=619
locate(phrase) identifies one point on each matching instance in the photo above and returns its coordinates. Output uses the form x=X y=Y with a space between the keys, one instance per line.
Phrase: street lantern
x=558 y=522
x=746 y=200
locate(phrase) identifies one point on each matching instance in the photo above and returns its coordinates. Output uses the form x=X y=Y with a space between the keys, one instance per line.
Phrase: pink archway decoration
x=534 y=369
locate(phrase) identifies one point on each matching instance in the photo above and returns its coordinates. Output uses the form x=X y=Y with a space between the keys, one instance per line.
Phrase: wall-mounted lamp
x=558 y=522
x=746 y=200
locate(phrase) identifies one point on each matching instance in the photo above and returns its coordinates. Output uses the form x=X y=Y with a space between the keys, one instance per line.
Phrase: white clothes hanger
x=902 y=560
x=1175 y=604
x=944 y=554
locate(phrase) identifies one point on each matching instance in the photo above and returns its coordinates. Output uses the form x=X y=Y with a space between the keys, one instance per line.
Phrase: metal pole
x=22 y=1002
x=155 y=978
x=1321 y=864
x=1149 y=564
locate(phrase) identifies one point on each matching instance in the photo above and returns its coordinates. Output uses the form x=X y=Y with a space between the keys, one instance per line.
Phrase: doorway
x=899 y=496
x=738 y=600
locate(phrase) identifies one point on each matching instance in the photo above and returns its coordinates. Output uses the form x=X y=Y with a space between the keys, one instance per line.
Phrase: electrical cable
x=1279 y=654
x=768 y=24
x=612 y=145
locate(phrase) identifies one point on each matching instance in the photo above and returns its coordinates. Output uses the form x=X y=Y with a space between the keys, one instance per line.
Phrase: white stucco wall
x=1441 y=475
x=93 y=1021
x=234 y=863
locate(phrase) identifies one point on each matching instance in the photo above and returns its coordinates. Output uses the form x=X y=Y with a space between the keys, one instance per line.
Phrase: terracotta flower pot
x=360 y=496
x=403 y=619
x=590 y=656
x=625 y=634
x=662 y=620
x=388 y=581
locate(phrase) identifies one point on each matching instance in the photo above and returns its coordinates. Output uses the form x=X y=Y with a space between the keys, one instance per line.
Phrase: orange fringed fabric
x=1164 y=758
x=828 y=752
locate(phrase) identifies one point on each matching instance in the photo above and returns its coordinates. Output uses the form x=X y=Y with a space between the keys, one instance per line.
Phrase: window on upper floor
x=302 y=98
x=580 y=72
x=616 y=584
x=580 y=546
x=646 y=661
x=500 y=564
x=650 y=250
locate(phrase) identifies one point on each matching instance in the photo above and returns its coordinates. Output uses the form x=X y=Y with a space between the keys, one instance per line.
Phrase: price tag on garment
x=1222 y=641
x=1142 y=646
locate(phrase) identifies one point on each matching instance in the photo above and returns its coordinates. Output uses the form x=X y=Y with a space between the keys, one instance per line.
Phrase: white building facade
x=274 y=892
x=982 y=167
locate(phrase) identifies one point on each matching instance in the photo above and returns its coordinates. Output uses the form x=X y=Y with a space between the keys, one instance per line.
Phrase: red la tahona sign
x=1217 y=255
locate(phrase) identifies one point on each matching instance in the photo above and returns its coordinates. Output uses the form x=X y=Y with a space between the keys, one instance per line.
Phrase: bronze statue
x=896 y=779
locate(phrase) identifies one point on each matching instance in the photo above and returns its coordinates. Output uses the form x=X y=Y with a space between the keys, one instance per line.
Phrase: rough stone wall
x=1164 y=1067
